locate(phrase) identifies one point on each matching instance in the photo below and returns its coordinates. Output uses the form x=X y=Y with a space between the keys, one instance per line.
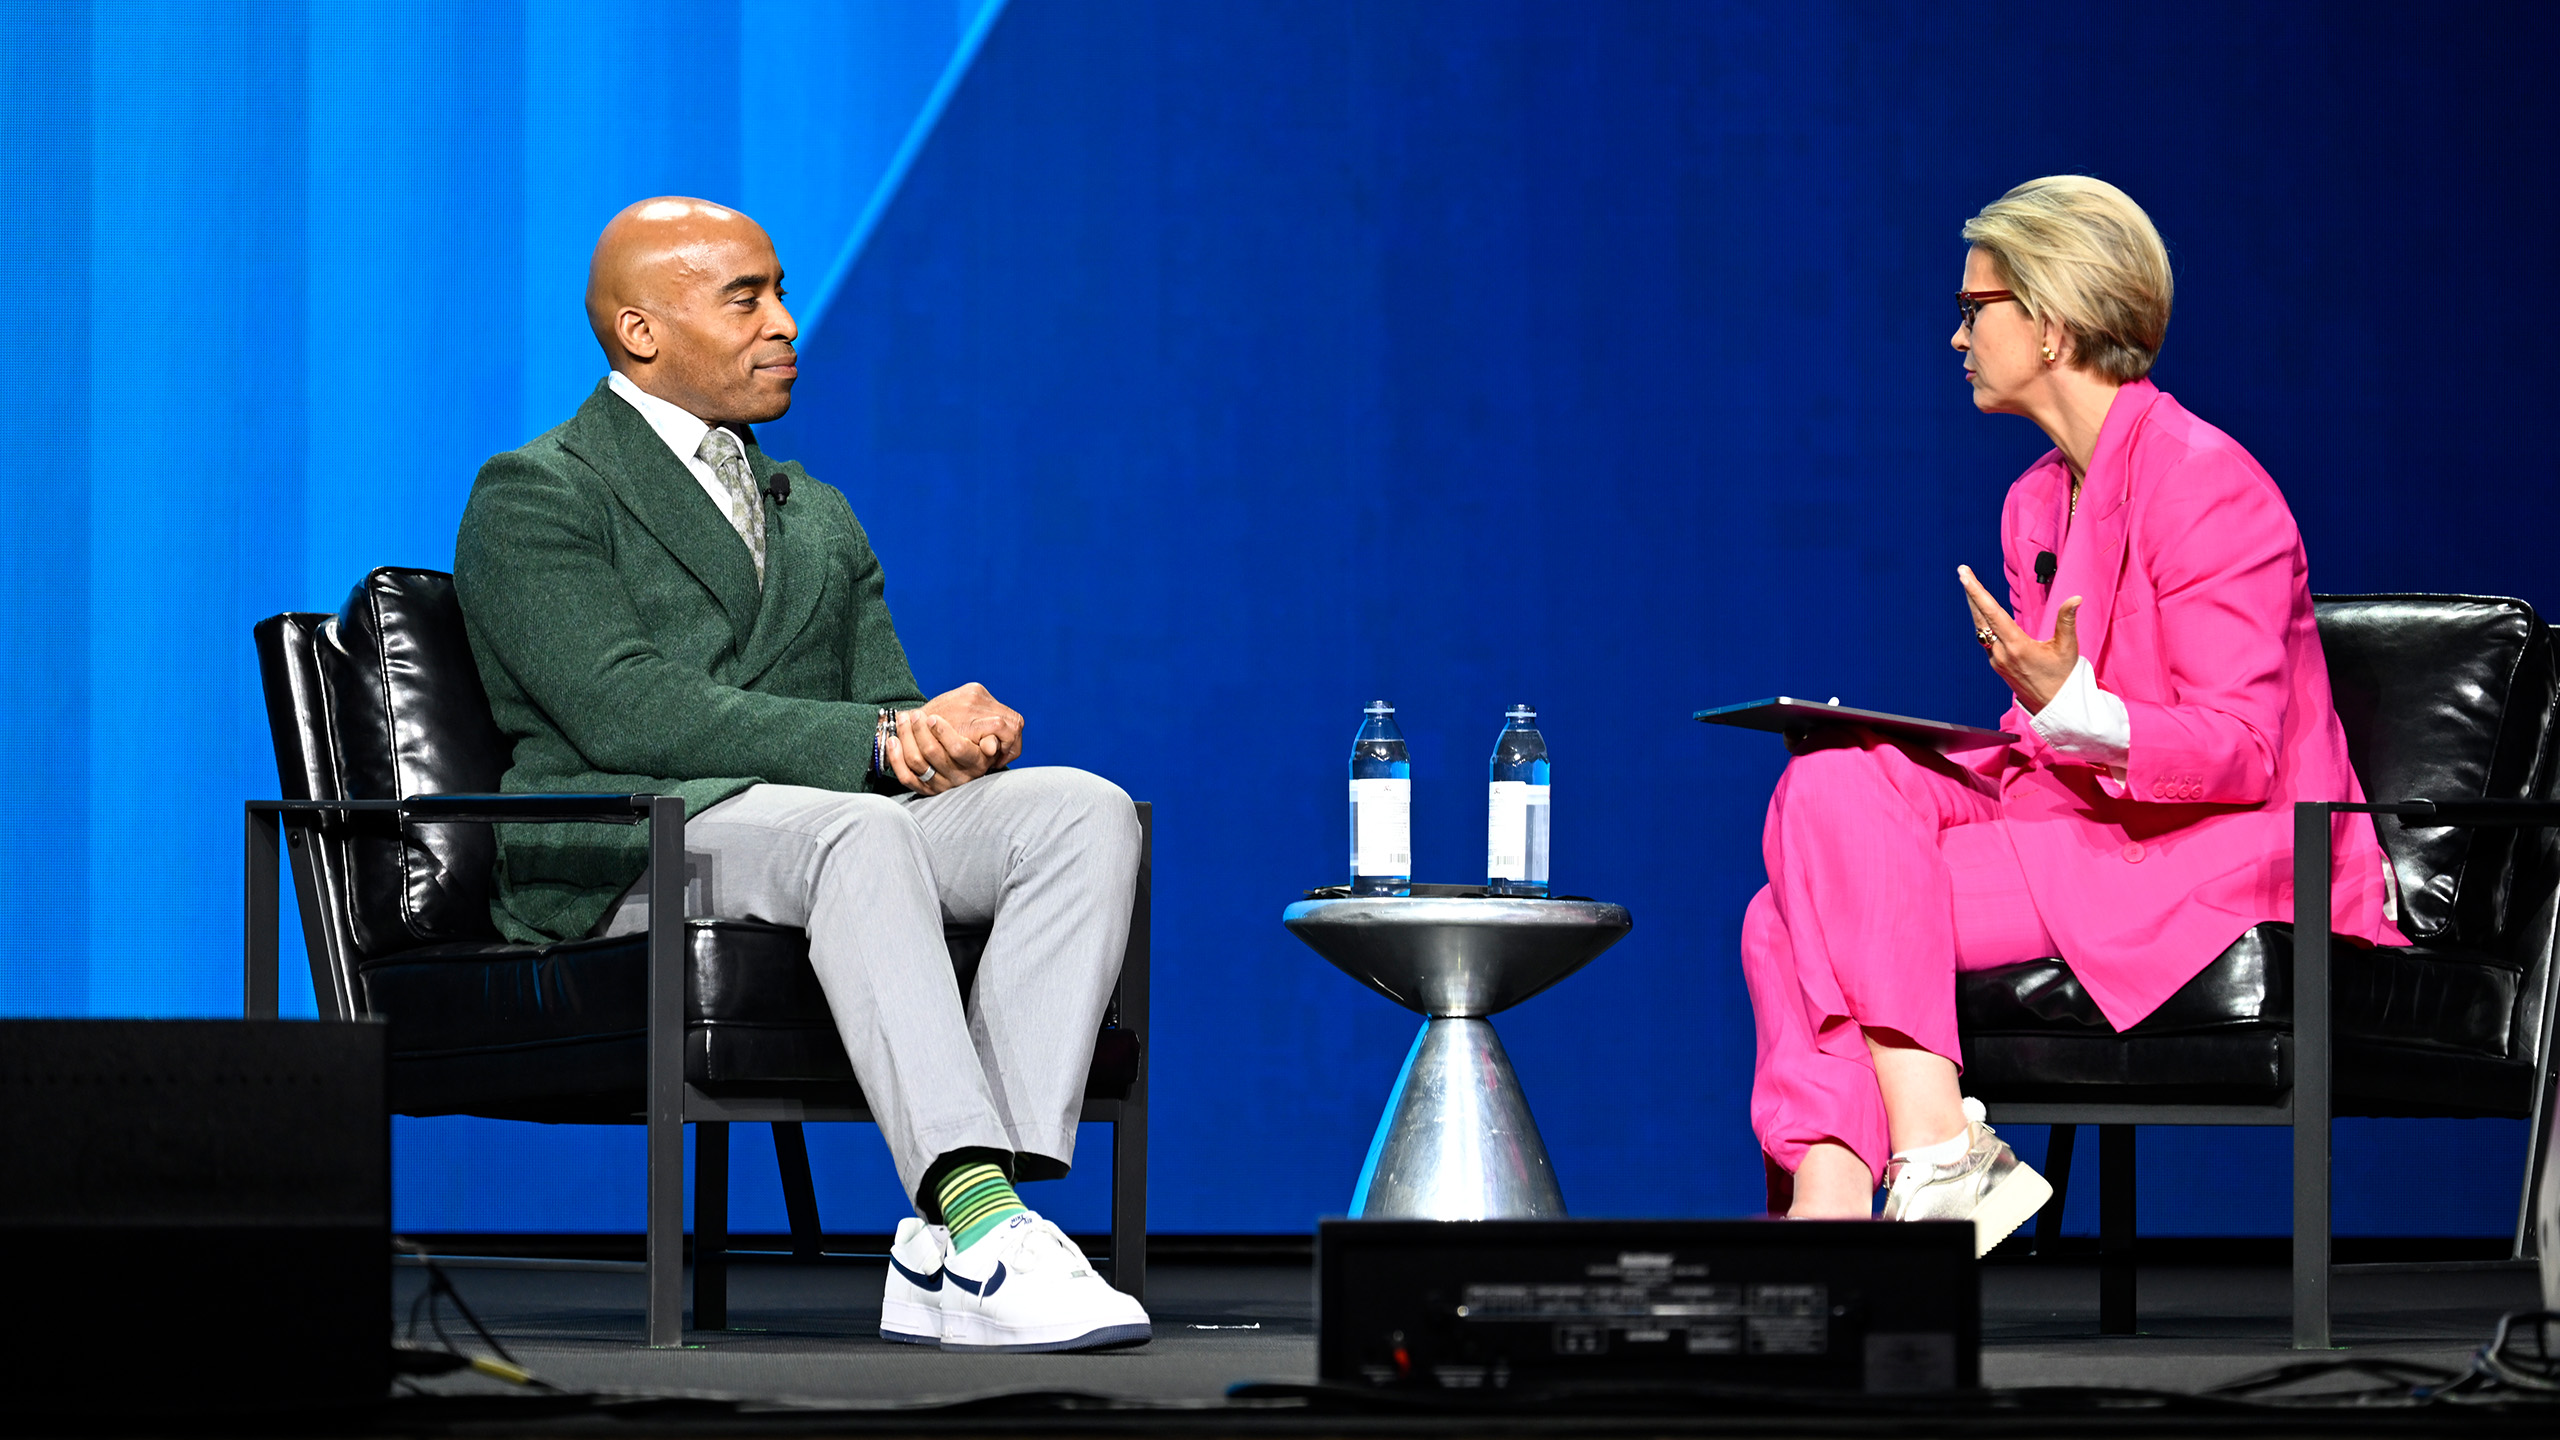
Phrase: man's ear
x=636 y=332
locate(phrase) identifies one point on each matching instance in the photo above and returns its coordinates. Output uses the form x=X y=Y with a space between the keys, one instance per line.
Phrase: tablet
x=1783 y=714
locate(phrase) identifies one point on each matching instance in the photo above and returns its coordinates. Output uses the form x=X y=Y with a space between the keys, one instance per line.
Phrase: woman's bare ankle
x=1923 y=1103
x=1832 y=1184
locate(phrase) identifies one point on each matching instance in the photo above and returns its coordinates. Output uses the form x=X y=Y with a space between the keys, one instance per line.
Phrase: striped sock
x=975 y=1200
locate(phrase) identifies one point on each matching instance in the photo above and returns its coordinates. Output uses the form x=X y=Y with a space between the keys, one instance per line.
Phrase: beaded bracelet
x=881 y=728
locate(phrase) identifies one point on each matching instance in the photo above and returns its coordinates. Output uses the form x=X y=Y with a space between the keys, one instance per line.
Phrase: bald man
x=658 y=607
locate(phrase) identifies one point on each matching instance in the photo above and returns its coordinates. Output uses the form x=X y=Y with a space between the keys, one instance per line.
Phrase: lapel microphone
x=777 y=488
x=2045 y=563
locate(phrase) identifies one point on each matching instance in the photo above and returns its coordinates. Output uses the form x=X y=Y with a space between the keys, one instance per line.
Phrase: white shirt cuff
x=2086 y=723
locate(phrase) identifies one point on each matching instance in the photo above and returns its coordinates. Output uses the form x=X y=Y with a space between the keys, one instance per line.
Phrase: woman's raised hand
x=2035 y=669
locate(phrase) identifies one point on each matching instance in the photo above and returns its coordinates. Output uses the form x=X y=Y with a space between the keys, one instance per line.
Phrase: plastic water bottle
x=1515 y=847
x=1381 y=806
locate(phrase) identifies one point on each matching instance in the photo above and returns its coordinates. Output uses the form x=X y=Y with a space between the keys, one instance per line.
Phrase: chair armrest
x=2521 y=814
x=599 y=809
x=2518 y=814
x=2311 y=1102
x=267 y=819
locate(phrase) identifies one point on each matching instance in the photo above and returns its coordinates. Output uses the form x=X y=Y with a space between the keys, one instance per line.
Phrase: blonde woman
x=2172 y=703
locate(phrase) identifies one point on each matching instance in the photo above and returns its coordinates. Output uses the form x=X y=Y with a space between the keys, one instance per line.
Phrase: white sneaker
x=1990 y=1186
x=911 y=1302
x=1025 y=1286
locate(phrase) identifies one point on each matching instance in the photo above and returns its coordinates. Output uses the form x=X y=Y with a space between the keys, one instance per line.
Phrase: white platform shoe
x=1990 y=1186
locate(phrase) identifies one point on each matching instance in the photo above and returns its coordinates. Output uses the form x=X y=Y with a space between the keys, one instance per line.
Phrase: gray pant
x=1049 y=856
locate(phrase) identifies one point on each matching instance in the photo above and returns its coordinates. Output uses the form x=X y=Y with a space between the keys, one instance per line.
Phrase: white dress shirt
x=2087 y=723
x=683 y=434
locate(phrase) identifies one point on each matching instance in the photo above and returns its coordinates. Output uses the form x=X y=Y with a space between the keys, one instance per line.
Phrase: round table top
x=1451 y=950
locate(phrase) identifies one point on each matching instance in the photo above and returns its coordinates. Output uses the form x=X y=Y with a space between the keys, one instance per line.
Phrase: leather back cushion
x=411 y=719
x=2442 y=697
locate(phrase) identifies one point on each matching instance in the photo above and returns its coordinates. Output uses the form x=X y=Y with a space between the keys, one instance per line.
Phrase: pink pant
x=1889 y=871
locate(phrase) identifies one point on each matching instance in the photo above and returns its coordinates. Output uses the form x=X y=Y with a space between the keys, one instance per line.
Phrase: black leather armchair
x=2445 y=697
x=386 y=751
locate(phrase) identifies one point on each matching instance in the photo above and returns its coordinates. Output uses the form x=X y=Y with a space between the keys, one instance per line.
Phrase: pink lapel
x=2106 y=496
x=2039 y=531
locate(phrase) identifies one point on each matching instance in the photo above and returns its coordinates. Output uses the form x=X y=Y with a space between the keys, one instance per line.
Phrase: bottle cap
x=1522 y=711
x=1380 y=707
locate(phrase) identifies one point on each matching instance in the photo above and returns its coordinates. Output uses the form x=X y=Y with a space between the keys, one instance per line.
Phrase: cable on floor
x=410 y=1358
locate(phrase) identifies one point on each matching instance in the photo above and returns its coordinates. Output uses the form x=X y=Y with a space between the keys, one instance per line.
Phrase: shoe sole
x=2007 y=1207
x=907 y=1323
x=1109 y=1337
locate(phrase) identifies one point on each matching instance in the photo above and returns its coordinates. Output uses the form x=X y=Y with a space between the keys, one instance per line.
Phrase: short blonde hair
x=2079 y=250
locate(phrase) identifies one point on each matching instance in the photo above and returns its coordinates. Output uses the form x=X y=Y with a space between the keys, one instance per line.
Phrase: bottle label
x=1382 y=827
x=1516 y=831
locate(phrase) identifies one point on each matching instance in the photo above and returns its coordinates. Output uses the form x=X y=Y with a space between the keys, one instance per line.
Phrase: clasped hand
x=952 y=739
x=2035 y=669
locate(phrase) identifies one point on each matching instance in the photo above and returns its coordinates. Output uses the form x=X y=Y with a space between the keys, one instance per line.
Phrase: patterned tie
x=719 y=449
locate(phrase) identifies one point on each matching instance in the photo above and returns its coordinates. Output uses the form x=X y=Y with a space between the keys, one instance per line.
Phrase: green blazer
x=627 y=648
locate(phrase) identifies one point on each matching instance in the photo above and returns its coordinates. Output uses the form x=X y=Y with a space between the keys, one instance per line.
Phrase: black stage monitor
x=1526 y=1305
x=196 y=1216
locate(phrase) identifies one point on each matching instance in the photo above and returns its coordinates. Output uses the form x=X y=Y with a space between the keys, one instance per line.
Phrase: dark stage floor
x=806 y=1333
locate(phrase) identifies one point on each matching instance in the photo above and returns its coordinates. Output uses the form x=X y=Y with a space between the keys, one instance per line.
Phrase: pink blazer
x=2206 y=633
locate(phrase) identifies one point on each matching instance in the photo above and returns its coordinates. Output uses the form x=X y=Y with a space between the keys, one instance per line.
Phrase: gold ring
x=1983 y=635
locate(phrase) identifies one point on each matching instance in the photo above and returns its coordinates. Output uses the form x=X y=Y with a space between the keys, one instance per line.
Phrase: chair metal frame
x=2306 y=1108
x=671 y=1101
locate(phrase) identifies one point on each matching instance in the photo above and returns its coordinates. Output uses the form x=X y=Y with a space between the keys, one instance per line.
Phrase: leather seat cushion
x=2239 y=1068
x=539 y=1032
x=2434 y=1025
x=2248 y=983
x=600 y=1080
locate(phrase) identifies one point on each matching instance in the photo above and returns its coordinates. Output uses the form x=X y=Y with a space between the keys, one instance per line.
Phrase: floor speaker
x=195 y=1216
x=1487 y=1306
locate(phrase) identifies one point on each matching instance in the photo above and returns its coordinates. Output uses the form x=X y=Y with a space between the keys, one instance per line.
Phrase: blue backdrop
x=1212 y=371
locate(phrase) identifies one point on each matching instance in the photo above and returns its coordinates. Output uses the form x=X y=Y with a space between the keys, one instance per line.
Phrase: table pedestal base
x=1457 y=1142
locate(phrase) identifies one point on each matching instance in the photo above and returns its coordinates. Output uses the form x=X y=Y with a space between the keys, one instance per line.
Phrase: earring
x=2048 y=353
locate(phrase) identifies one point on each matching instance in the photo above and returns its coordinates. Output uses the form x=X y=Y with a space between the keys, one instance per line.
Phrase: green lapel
x=795 y=569
x=610 y=436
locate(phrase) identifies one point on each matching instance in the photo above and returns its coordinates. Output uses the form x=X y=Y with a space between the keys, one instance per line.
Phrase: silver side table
x=1456 y=1142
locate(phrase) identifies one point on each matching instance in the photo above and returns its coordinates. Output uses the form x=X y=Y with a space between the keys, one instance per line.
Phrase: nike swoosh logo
x=981 y=1290
x=921 y=1282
